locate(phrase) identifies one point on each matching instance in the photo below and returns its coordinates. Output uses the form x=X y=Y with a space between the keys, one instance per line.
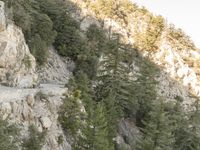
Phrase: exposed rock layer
x=17 y=65
x=57 y=70
x=38 y=107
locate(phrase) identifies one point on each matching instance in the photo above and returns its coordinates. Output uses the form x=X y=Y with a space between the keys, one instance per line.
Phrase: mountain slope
x=115 y=77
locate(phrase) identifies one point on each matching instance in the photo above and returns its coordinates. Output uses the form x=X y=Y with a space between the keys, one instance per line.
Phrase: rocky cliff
x=23 y=100
x=17 y=64
x=38 y=107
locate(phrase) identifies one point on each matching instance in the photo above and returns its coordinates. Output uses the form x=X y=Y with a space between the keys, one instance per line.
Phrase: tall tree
x=144 y=89
x=187 y=137
x=113 y=77
x=158 y=131
x=95 y=132
x=114 y=86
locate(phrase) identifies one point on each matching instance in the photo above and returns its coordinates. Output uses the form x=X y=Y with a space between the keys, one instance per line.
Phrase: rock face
x=17 y=65
x=38 y=107
x=57 y=69
x=128 y=134
x=2 y=16
x=20 y=102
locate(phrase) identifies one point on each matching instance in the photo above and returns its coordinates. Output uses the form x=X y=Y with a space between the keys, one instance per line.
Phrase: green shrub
x=35 y=140
x=60 y=139
x=39 y=49
x=8 y=136
x=39 y=96
x=70 y=114
x=27 y=61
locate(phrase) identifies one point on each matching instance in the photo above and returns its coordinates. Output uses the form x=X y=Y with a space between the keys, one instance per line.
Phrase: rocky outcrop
x=128 y=135
x=23 y=103
x=2 y=16
x=38 y=107
x=177 y=64
x=17 y=65
x=57 y=69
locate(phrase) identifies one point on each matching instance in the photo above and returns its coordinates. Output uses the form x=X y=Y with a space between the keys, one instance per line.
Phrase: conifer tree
x=114 y=86
x=157 y=134
x=36 y=139
x=149 y=39
x=94 y=127
x=178 y=119
x=144 y=89
x=113 y=75
x=101 y=129
x=95 y=133
x=188 y=137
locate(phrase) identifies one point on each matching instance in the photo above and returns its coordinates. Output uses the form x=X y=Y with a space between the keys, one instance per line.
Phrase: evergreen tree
x=95 y=134
x=149 y=40
x=158 y=131
x=94 y=130
x=177 y=115
x=187 y=137
x=101 y=129
x=114 y=86
x=144 y=89
x=113 y=76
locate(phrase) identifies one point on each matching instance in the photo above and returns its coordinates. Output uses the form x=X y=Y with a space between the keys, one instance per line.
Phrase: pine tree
x=149 y=39
x=177 y=115
x=114 y=86
x=158 y=131
x=94 y=129
x=113 y=75
x=101 y=129
x=187 y=137
x=95 y=133
x=144 y=89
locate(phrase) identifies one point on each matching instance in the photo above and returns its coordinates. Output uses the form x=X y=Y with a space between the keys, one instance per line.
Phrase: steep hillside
x=170 y=49
x=95 y=75
x=31 y=106
x=163 y=44
x=17 y=64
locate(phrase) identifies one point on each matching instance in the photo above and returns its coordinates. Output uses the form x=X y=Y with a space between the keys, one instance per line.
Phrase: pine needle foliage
x=113 y=78
x=144 y=89
x=158 y=131
x=8 y=135
x=95 y=133
x=187 y=137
